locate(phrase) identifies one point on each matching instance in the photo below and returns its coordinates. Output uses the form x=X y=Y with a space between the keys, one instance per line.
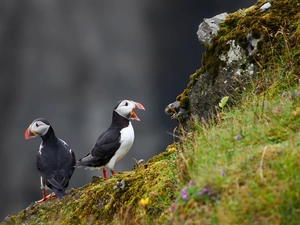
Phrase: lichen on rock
x=246 y=40
x=209 y=27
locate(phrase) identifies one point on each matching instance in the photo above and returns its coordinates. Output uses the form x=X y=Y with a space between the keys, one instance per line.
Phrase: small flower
x=171 y=149
x=284 y=94
x=144 y=201
x=204 y=191
x=222 y=174
x=184 y=194
x=238 y=137
x=172 y=207
x=191 y=182
x=200 y=193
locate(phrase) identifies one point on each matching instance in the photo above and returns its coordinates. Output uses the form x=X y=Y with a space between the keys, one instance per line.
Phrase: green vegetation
x=245 y=168
x=141 y=195
x=240 y=168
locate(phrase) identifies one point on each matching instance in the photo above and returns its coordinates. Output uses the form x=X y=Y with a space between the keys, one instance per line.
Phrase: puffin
x=55 y=160
x=114 y=143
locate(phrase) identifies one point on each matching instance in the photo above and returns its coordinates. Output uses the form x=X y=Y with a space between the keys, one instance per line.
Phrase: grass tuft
x=243 y=169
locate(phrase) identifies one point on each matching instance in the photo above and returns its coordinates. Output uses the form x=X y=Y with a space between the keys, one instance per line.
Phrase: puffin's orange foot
x=51 y=195
x=46 y=197
x=112 y=172
x=104 y=173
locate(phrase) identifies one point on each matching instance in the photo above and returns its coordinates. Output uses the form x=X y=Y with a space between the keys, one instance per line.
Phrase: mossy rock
x=231 y=61
x=104 y=202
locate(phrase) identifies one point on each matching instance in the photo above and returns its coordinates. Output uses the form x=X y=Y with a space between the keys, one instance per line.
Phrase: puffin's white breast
x=127 y=138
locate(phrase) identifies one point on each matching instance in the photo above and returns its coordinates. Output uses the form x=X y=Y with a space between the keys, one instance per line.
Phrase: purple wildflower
x=204 y=191
x=200 y=193
x=222 y=174
x=184 y=194
x=172 y=207
x=284 y=94
x=238 y=137
x=191 y=183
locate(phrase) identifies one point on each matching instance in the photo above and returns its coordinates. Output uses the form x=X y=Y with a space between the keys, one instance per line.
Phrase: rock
x=265 y=6
x=209 y=27
x=235 y=48
x=175 y=111
x=252 y=43
x=8 y=220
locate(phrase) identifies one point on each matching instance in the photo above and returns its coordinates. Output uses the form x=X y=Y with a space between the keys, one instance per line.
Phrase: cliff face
x=235 y=57
x=236 y=47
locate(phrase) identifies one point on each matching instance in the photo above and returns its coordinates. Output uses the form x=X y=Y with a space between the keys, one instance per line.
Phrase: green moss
x=277 y=135
x=184 y=102
x=98 y=202
x=183 y=97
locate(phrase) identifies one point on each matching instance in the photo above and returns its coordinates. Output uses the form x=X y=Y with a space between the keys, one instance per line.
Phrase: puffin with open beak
x=55 y=161
x=116 y=141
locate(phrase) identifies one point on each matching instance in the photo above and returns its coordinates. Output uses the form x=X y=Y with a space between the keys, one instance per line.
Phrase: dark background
x=71 y=61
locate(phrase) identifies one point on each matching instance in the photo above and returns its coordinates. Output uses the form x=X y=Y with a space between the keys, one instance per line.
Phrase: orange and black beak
x=29 y=134
x=132 y=114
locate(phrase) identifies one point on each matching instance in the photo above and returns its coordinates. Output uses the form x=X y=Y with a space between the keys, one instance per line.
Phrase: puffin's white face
x=126 y=108
x=37 y=128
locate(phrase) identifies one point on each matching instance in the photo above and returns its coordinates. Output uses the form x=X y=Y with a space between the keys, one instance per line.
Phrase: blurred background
x=71 y=62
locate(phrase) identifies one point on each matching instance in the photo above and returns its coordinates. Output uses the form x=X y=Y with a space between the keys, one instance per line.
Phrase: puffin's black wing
x=56 y=166
x=67 y=161
x=104 y=149
x=46 y=171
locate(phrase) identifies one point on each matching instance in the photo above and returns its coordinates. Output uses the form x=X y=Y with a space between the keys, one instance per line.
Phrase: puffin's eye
x=126 y=103
x=37 y=125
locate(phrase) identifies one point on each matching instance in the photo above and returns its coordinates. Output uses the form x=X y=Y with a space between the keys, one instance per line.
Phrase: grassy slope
x=245 y=169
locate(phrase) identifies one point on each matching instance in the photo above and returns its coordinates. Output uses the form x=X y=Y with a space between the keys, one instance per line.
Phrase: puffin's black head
x=126 y=108
x=38 y=127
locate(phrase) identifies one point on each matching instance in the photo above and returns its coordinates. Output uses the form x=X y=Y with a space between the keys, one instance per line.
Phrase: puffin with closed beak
x=55 y=161
x=116 y=141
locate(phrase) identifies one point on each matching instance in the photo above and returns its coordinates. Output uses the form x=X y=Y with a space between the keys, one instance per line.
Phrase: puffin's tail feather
x=91 y=161
x=59 y=192
x=80 y=164
x=85 y=162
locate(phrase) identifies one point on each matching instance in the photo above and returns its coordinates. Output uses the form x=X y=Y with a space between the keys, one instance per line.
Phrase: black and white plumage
x=116 y=141
x=55 y=161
